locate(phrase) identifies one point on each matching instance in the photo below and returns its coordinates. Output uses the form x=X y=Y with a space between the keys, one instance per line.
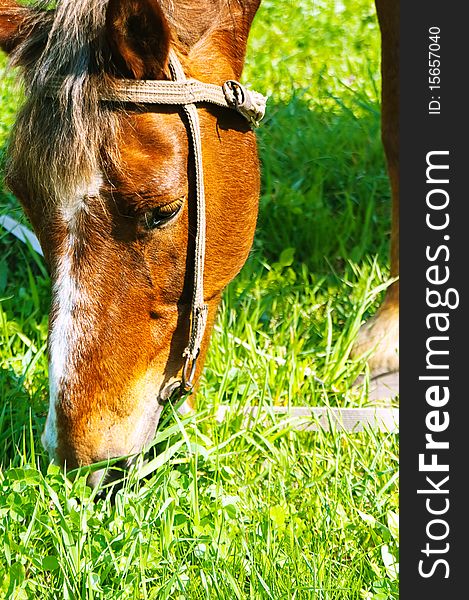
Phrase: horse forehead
x=153 y=150
x=162 y=134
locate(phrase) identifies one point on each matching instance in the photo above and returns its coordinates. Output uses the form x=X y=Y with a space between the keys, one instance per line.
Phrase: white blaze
x=68 y=296
x=62 y=339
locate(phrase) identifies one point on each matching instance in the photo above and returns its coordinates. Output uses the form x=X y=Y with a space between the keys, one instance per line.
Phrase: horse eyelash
x=171 y=207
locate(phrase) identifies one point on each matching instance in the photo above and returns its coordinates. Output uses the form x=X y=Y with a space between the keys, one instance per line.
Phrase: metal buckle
x=187 y=383
x=248 y=103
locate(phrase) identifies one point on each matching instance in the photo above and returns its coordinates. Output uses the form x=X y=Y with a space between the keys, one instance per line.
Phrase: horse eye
x=157 y=217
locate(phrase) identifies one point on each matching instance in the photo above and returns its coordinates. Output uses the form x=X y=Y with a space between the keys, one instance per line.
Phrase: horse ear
x=13 y=19
x=227 y=36
x=139 y=38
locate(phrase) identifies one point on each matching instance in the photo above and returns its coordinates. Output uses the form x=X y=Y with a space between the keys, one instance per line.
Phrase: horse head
x=110 y=191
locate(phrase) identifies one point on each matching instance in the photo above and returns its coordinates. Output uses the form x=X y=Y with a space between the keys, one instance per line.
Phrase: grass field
x=222 y=510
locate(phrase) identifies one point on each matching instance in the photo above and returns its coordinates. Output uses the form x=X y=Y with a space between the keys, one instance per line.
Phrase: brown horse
x=111 y=191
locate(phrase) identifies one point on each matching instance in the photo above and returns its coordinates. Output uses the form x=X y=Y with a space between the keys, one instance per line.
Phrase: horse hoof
x=378 y=339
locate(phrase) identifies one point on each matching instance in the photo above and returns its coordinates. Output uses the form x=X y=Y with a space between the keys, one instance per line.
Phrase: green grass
x=226 y=510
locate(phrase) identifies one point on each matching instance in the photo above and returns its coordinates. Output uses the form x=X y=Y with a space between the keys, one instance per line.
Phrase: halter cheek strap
x=199 y=310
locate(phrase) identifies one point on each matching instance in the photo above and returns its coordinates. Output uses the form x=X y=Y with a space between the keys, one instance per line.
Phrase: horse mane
x=56 y=141
x=59 y=143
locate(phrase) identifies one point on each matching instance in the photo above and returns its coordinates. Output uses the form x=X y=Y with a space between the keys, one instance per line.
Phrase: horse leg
x=381 y=333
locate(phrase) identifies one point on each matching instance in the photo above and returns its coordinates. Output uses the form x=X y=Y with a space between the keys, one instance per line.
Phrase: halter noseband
x=187 y=93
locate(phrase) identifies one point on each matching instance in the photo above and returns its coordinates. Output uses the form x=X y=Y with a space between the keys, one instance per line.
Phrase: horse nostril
x=110 y=477
x=96 y=478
